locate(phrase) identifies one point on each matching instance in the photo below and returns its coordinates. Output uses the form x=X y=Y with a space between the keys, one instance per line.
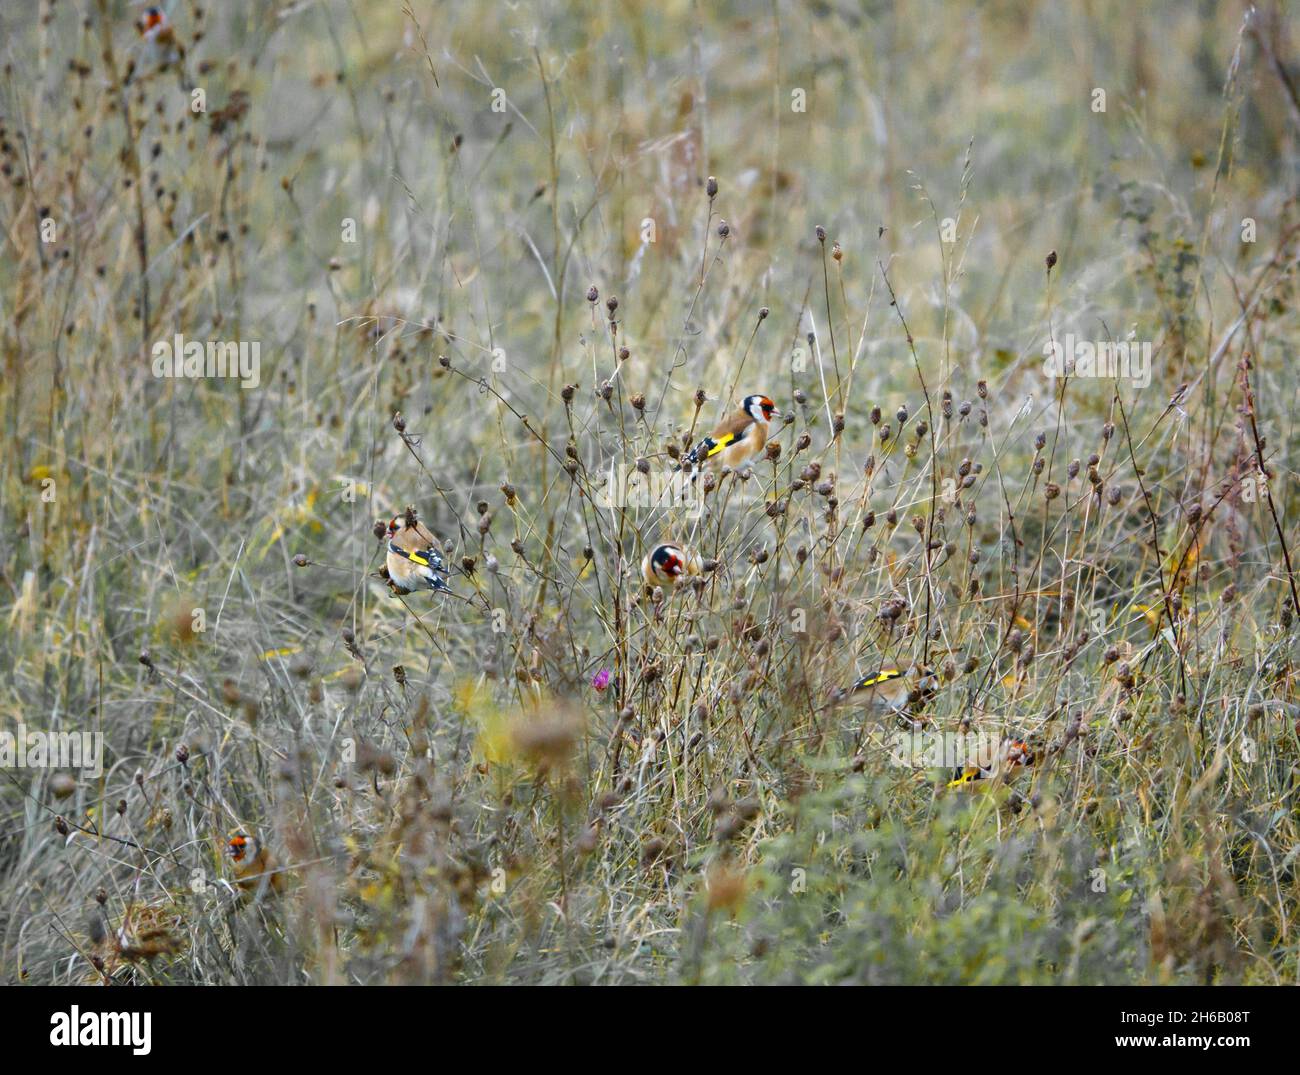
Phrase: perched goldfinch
x=255 y=870
x=152 y=23
x=1011 y=758
x=665 y=564
x=160 y=45
x=740 y=437
x=413 y=561
x=891 y=690
x=157 y=31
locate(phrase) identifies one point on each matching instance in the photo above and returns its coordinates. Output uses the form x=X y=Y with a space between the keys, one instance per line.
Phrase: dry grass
x=186 y=566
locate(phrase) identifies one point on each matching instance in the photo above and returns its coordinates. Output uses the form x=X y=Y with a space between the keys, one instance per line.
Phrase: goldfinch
x=1007 y=761
x=255 y=870
x=159 y=35
x=892 y=690
x=152 y=23
x=665 y=564
x=160 y=46
x=740 y=437
x=413 y=561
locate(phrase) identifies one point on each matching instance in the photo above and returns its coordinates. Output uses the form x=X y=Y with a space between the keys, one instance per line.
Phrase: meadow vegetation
x=480 y=250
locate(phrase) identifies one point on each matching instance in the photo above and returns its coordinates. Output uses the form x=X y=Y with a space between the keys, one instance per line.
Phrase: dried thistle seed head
x=300 y=561
x=821 y=234
x=773 y=450
x=624 y=354
x=1113 y=495
x=399 y=423
x=611 y=304
x=901 y=415
x=982 y=389
x=711 y=187
x=700 y=398
x=964 y=410
x=800 y=396
x=566 y=393
x=837 y=424
x=875 y=416
x=1072 y=471
x=836 y=252
x=1050 y=261
x=638 y=402
x=1051 y=491
x=802 y=442
x=763 y=311
x=724 y=229
x=508 y=491
x=593 y=296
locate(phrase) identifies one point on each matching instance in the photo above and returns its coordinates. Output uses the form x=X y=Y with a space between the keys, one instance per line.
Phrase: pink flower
x=601 y=679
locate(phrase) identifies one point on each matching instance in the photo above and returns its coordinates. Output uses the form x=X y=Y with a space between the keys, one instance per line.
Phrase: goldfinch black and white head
x=665 y=564
x=760 y=408
x=241 y=847
x=151 y=23
x=413 y=559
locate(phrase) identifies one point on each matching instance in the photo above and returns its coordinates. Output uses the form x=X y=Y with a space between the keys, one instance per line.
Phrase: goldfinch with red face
x=413 y=561
x=1003 y=763
x=665 y=564
x=255 y=870
x=741 y=437
x=157 y=31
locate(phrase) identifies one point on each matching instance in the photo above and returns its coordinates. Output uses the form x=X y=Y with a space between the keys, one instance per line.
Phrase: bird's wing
x=711 y=446
x=872 y=681
x=421 y=557
x=966 y=776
